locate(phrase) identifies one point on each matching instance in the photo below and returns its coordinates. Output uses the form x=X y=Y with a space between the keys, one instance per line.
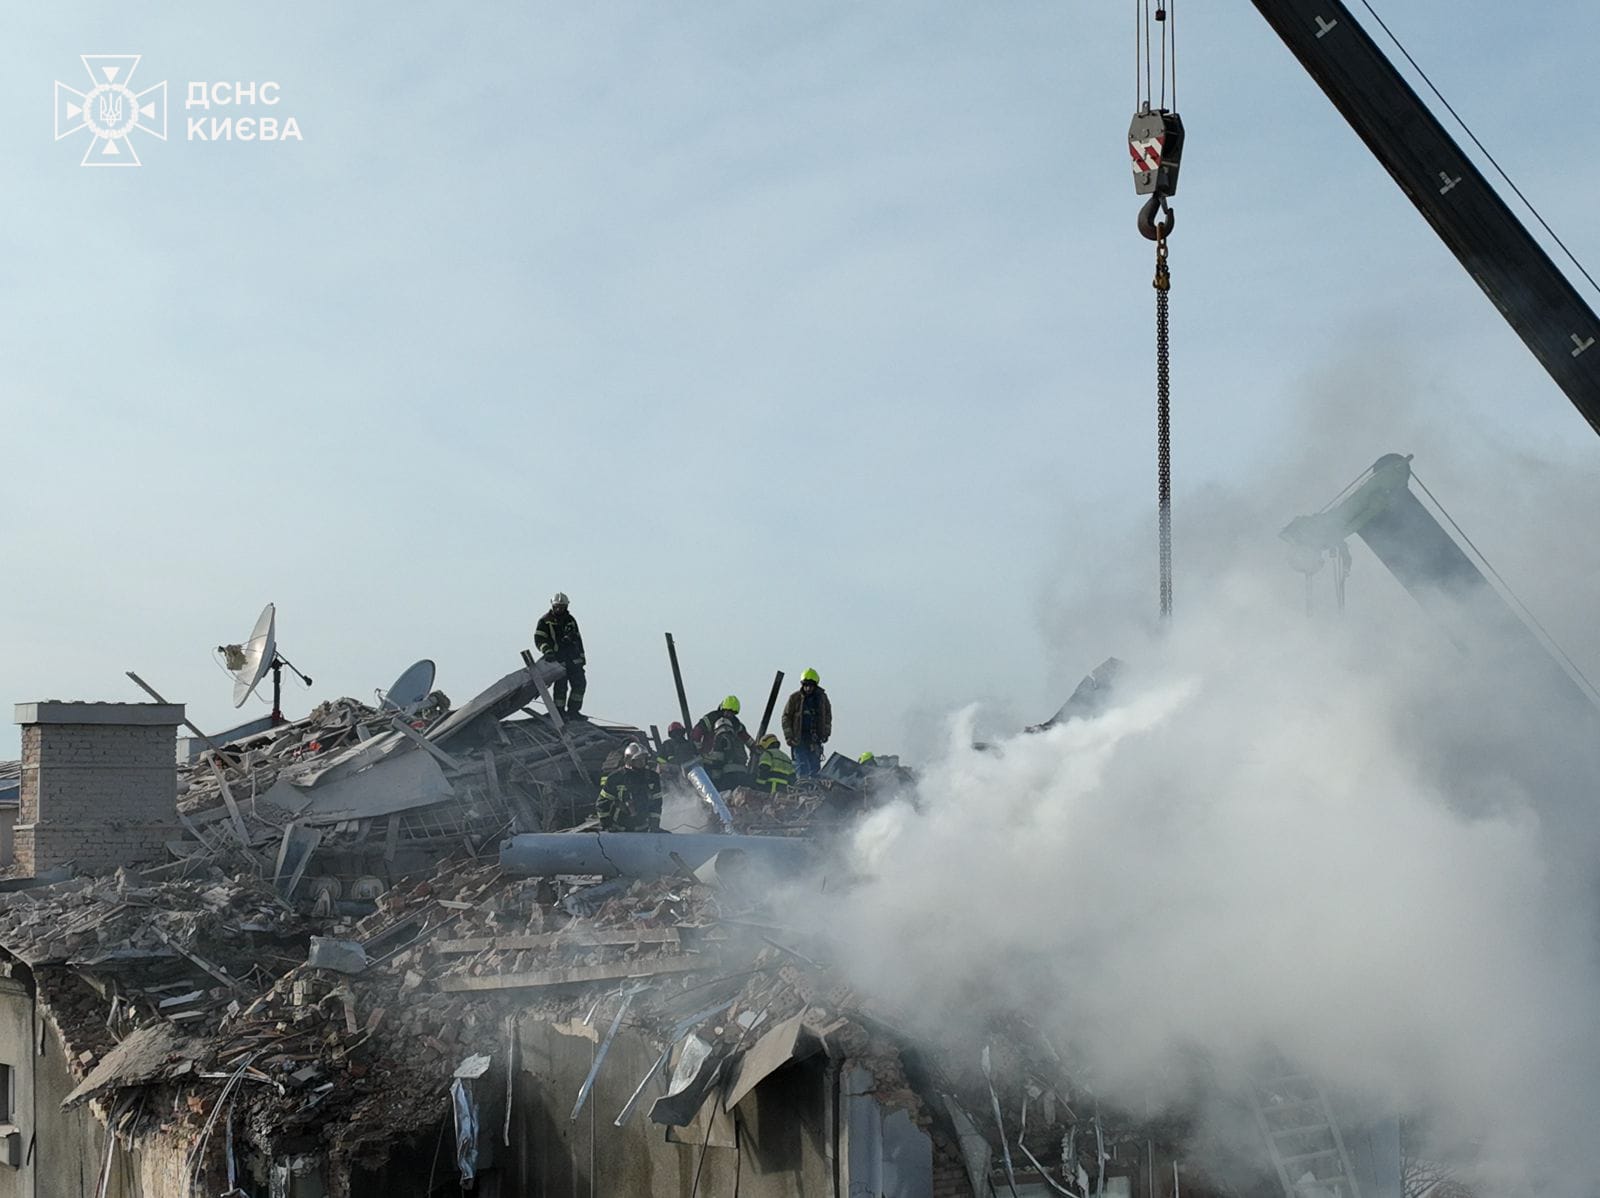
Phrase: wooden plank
x=151 y=691
x=560 y=724
x=233 y=807
x=577 y=974
x=196 y=959
x=476 y=944
x=422 y=742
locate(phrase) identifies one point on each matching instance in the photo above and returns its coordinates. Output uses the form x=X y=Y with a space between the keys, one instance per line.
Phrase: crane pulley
x=1155 y=142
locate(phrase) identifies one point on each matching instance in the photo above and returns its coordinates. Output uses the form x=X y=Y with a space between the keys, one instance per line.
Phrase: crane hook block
x=1155 y=139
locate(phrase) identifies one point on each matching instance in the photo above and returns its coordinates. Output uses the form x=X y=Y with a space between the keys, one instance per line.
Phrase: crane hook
x=1153 y=229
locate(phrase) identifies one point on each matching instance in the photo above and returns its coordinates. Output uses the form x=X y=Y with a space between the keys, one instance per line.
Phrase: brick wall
x=950 y=1178
x=100 y=793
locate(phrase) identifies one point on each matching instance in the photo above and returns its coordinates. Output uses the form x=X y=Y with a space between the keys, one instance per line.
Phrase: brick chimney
x=99 y=784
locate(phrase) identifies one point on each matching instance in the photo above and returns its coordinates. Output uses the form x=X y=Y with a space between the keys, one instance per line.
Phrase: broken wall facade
x=61 y=1152
x=781 y=1144
x=57 y=1153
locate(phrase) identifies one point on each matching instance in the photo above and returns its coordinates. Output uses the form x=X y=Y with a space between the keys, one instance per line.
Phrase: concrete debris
x=349 y=1067
x=346 y=800
x=155 y=1050
x=341 y=956
x=336 y=965
x=642 y=854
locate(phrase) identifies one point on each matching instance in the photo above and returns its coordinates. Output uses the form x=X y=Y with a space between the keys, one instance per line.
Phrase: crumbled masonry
x=327 y=965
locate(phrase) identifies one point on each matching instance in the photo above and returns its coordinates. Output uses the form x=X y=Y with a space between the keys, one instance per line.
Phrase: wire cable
x=1467 y=129
x=1161 y=19
x=1522 y=608
x=1350 y=486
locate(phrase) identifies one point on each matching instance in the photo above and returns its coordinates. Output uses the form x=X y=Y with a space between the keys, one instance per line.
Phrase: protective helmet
x=810 y=676
x=864 y=758
x=674 y=727
x=769 y=741
x=635 y=754
x=723 y=725
x=731 y=703
x=559 y=599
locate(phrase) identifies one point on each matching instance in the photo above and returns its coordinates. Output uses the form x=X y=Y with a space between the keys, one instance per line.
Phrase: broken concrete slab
x=642 y=854
x=342 y=956
x=147 y=1054
x=470 y=723
x=537 y=979
x=395 y=783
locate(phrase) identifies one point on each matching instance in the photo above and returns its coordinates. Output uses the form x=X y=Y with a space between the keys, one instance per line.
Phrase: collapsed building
x=382 y=953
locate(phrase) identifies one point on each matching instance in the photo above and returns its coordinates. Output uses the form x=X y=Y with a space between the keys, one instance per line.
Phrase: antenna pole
x=277 y=690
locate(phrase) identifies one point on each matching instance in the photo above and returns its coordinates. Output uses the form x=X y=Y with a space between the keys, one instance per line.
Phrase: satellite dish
x=409 y=690
x=250 y=662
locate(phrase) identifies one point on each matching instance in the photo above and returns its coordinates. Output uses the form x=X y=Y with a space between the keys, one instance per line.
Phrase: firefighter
x=727 y=759
x=705 y=728
x=774 y=770
x=557 y=638
x=630 y=797
x=676 y=749
x=807 y=724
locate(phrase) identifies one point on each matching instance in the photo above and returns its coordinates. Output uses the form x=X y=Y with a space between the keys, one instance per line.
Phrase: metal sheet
x=772 y=1052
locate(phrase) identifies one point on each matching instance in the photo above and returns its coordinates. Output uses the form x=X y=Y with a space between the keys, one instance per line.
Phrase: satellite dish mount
x=250 y=662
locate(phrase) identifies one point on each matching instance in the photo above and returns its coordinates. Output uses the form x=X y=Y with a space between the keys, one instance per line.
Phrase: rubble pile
x=337 y=944
x=336 y=806
x=249 y=766
x=806 y=808
x=337 y=1034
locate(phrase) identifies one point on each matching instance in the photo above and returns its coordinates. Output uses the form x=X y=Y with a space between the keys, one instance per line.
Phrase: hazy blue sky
x=814 y=334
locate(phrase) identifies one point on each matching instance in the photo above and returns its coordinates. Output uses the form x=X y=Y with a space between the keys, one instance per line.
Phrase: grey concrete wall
x=67 y=1146
x=16 y=1038
x=785 y=1130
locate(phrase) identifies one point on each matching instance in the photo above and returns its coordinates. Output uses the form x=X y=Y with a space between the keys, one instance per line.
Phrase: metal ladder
x=1302 y=1137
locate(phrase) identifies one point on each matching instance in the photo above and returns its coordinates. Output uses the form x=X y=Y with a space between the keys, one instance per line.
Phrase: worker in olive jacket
x=807 y=724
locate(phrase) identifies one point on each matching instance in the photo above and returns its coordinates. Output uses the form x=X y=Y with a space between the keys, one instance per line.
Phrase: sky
x=814 y=335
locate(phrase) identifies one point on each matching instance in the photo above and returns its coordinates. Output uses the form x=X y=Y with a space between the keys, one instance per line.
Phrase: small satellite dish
x=250 y=662
x=409 y=690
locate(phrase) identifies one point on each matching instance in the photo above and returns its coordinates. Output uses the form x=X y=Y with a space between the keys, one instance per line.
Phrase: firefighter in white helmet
x=557 y=638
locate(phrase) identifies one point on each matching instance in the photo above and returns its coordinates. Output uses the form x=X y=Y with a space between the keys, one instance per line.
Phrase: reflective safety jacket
x=676 y=750
x=774 y=770
x=705 y=728
x=630 y=801
x=557 y=637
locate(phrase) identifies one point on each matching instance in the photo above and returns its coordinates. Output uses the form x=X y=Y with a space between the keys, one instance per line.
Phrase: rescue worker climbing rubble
x=774 y=770
x=630 y=797
x=558 y=639
x=676 y=749
x=727 y=760
x=807 y=724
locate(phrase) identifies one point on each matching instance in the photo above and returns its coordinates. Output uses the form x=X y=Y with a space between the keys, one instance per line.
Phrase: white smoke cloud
x=1284 y=832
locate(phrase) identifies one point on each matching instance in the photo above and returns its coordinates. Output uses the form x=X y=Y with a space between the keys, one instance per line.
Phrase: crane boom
x=1533 y=295
x=1426 y=560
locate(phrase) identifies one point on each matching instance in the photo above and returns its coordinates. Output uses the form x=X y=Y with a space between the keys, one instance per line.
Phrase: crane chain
x=1163 y=286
